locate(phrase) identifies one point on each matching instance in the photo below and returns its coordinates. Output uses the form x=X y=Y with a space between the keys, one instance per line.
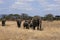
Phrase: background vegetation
x=47 y=17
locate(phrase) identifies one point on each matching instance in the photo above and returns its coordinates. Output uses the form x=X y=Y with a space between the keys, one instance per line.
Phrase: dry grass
x=12 y=32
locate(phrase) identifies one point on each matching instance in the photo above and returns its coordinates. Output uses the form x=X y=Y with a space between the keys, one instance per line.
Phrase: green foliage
x=23 y=16
x=17 y=16
x=49 y=17
x=57 y=17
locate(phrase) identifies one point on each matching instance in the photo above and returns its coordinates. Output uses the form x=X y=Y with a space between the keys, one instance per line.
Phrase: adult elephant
x=3 y=22
x=37 y=22
x=18 y=23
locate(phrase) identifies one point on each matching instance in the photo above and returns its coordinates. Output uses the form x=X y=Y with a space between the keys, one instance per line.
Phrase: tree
x=10 y=17
x=24 y=16
x=4 y=16
x=57 y=17
x=49 y=17
x=17 y=16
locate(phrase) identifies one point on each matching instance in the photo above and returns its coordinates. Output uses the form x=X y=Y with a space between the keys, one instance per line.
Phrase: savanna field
x=51 y=31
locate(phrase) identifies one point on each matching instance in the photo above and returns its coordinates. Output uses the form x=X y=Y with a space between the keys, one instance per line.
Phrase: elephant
x=26 y=24
x=3 y=22
x=18 y=23
x=37 y=22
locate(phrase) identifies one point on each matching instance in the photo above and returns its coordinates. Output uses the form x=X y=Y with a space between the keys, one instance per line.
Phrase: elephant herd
x=34 y=23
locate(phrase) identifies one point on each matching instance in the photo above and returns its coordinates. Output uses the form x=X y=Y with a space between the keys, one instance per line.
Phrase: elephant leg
x=37 y=27
x=18 y=25
x=27 y=27
x=24 y=26
x=33 y=27
x=3 y=23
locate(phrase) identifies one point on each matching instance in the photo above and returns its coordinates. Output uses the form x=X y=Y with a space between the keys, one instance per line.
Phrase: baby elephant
x=31 y=25
x=26 y=24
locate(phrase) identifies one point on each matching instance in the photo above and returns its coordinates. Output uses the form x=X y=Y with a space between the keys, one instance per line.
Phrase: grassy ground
x=51 y=31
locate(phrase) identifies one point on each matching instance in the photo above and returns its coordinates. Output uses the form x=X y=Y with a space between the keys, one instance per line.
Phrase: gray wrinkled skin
x=37 y=22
